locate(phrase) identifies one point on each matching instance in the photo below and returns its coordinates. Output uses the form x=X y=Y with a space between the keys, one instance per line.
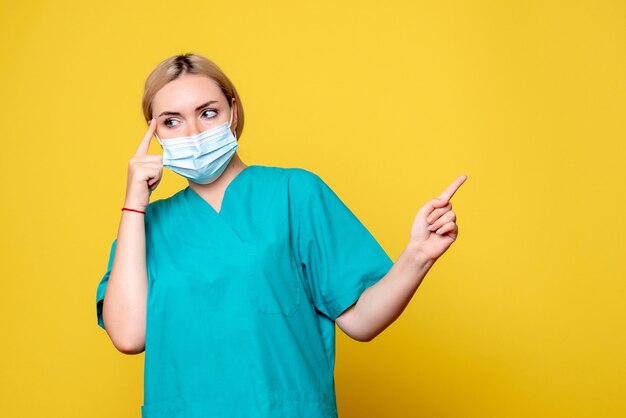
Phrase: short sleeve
x=340 y=257
x=103 y=285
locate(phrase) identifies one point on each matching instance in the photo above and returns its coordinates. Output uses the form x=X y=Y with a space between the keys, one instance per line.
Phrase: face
x=189 y=105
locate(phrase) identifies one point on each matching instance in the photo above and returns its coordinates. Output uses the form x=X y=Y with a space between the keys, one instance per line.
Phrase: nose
x=194 y=128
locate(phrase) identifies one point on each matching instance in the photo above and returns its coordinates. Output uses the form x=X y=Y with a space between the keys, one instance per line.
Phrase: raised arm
x=433 y=231
x=124 y=305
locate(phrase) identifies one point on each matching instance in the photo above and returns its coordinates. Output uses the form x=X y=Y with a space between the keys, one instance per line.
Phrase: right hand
x=144 y=173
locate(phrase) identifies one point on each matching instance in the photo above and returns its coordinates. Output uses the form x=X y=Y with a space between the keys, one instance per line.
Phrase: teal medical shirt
x=242 y=302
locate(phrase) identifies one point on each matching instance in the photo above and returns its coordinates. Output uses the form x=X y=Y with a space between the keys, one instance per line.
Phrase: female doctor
x=233 y=285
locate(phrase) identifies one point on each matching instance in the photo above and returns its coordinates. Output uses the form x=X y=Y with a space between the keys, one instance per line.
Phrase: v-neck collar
x=202 y=203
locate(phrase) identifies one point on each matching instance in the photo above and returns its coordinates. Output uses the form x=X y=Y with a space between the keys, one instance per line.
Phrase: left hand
x=434 y=228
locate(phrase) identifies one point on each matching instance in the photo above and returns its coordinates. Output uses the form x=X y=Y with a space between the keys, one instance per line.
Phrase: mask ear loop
x=231 y=120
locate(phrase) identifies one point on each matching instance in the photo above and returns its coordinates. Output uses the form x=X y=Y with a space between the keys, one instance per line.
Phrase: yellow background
x=389 y=102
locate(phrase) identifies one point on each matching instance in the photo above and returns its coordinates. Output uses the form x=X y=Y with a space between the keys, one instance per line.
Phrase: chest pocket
x=273 y=280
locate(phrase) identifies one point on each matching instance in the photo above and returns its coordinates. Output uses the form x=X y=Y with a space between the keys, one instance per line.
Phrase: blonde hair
x=178 y=65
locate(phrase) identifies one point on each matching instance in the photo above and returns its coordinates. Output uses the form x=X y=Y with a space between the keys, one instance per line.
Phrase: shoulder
x=296 y=179
x=305 y=185
x=303 y=175
x=302 y=179
x=157 y=208
x=300 y=184
x=308 y=190
x=296 y=173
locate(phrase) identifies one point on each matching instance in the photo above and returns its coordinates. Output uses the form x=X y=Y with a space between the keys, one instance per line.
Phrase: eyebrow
x=167 y=113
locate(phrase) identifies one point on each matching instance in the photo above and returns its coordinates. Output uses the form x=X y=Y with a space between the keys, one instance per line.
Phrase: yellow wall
x=389 y=102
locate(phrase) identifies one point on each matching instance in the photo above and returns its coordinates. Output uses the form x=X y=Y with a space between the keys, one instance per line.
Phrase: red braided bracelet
x=134 y=210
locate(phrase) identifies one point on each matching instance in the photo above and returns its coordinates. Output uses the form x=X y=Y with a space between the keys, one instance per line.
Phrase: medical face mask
x=201 y=158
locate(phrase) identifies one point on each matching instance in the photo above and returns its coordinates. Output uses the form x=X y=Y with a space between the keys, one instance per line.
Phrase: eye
x=170 y=122
x=210 y=113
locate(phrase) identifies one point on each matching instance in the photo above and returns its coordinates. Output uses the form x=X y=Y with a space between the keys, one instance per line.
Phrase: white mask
x=203 y=157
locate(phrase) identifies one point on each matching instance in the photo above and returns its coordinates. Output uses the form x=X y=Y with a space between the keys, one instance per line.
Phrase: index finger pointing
x=142 y=149
x=451 y=189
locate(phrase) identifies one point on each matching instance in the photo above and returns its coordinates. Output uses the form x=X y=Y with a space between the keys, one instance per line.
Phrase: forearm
x=124 y=307
x=382 y=303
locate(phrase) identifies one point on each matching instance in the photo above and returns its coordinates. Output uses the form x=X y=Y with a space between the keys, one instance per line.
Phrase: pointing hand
x=144 y=172
x=434 y=228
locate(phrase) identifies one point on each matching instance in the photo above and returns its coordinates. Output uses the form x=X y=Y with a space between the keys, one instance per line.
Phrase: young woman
x=233 y=285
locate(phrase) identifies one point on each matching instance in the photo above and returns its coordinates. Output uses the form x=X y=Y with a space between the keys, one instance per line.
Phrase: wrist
x=136 y=206
x=133 y=210
x=418 y=256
